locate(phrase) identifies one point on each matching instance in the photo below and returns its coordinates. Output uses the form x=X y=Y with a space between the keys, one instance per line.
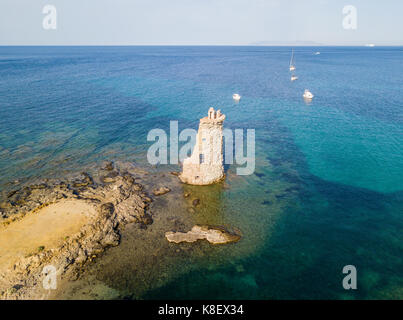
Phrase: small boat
x=317 y=53
x=308 y=94
x=236 y=97
x=292 y=66
x=293 y=78
x=370 y=45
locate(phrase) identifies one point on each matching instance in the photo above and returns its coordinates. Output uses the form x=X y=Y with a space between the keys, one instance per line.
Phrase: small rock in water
x=5 y=205
x=10 y=194
x=38 y=186
x=196 y=202
x=146 y=219
x=110 y=177
x=186 y=194
x=108 y=166
x=213 y=235
x=86 y=181
x=161 y=191
x=137 y=187
x=128 y=178
x=142 y=226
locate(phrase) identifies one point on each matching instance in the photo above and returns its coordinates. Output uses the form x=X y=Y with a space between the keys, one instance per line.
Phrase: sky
x=201 y=22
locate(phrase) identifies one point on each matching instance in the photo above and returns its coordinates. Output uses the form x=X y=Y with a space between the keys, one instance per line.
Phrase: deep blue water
x=328 y=188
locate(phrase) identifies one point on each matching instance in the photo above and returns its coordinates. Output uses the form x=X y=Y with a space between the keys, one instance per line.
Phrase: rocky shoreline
x=118 y=199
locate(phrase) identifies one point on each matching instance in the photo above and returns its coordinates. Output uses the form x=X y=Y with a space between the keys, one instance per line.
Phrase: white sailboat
x=292 y=66
x=236 y=97
x=308 y=95
x=294 y=77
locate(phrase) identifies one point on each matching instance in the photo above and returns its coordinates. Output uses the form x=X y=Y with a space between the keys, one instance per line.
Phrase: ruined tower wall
x=205 y=165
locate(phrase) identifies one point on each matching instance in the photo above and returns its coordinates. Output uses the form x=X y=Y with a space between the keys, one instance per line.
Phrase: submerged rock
x=146 y=219
x=108 y=166
x=214 y=235
x=161 y=191
x=12 y=193
x=110 y=177
x=86 y=181
x=137 y=187
x=5 y=205
x=38 y=186
x=129 y=178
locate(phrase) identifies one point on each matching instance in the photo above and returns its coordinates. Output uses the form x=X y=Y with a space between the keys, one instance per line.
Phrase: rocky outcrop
x=119 y=202
x=108 y=166
x=214 y=235
x=160 y=191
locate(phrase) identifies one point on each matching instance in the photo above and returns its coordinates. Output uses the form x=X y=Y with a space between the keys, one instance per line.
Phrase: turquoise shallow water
x=328 y=187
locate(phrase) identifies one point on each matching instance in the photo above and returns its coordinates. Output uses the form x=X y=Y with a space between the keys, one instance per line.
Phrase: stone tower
x=205 y=165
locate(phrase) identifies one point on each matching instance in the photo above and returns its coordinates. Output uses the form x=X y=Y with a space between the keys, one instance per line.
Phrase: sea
x=327 y=189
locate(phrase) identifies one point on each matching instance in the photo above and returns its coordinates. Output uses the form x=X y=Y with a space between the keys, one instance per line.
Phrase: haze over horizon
x=201 y=22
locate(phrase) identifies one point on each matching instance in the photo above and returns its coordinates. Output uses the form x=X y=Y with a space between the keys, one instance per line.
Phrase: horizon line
x=196 y=45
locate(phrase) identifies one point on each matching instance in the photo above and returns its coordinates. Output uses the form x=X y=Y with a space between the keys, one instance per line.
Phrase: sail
x=292 y=66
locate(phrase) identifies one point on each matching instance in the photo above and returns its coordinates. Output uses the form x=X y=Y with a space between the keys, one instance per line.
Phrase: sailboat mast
x=292 y=67
x=292 y=58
